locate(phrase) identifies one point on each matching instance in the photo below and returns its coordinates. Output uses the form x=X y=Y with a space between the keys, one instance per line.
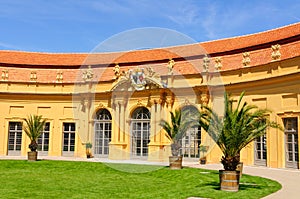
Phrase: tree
x=236 y=129
x=176 y=129
x=33 y=129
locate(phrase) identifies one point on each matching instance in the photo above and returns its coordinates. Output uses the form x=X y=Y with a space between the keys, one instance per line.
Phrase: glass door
x=291 y=142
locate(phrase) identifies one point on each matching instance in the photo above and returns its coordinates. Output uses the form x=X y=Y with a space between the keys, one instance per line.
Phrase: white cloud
x=109 y=6
x=9 y=46
x=210 y=21
x=186 y=14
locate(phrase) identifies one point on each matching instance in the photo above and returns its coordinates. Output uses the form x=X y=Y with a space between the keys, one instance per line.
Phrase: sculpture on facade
x=170 y=66
x=88 y=74
x=275 y=52
x=246 y=59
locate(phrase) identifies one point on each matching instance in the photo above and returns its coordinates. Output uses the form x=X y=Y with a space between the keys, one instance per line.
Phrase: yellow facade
x=273 y=85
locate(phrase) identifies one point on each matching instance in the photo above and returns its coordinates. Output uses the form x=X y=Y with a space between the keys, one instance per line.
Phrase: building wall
x=268 y=83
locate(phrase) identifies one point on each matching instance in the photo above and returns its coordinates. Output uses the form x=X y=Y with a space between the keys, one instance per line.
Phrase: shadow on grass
x=249 y=186
x=242 y=186
x=213 y=185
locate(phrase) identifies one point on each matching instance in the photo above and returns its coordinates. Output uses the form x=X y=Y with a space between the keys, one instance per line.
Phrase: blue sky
x=79 y=26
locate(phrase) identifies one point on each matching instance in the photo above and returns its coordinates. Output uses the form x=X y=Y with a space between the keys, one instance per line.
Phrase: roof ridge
x=251 y=34
x=162 y=48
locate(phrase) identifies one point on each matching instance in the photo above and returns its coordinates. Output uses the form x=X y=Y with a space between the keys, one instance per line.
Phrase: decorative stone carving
x=275 y=52
x=100 y=105
x=170 y=66
x=151 y=72
x=4 y=75
x=117 y=71
x=204 y=99
x=246 y=59
x=139 y=79
x=206 y=62
x=218 y=64
x=33 y=76
x=187 y=102
x=59 y=76
x=139 y=102
x=169 y=102
x=88 y=74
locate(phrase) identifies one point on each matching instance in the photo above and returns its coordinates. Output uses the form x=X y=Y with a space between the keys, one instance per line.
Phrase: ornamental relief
x=138 y=79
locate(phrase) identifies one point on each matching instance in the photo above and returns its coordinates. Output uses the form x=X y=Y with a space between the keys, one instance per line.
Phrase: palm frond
x=33 y=127
x=238 y=127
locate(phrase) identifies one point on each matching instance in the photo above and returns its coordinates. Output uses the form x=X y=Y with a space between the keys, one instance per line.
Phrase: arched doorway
x=192 y=138
x=140 y=132
x=102 y=132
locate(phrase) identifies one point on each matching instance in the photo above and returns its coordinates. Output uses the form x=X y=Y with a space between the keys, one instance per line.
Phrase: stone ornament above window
x=59 y=76
x=218 y=64
x=170 y=66
x=88 y=74
x=4 y=75
x=246 y=59
x=117 y=71
x=275 y=52
x=33 y=76
x=206 y=62
x=204 y=99
x=138 y=78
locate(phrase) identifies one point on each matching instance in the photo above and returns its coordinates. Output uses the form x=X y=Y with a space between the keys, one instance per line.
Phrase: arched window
x=102 y=132
x=140 y=132
x=192 y=139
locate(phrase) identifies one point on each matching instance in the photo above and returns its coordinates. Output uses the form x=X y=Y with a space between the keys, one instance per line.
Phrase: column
x=116 y=147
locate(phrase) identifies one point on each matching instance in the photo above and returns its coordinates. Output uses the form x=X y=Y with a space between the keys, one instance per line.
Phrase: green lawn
x=63 y=179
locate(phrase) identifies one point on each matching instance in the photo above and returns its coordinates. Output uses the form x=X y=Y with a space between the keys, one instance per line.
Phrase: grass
x=63 y=179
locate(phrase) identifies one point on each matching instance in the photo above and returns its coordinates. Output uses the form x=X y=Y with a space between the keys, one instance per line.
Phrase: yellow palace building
x=116 y=100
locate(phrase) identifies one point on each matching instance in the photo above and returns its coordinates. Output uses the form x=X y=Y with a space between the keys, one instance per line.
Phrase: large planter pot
x=229 y=180
x=175 y=162
x=32 y=155
x=202 y=160
x=240 y=168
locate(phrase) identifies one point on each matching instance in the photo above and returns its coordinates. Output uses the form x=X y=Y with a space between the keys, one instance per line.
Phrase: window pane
x=18 y=147
x=105 y=150
x=46 y=135
x=72 y=127
x=66 y=141
x=259 y=155
x=46 y=141
x=290 y=138
x=47 y=126
x=65 y=148
x=290 y=156
x=66 y=135
x=264 y=155
x=72 y=142
x=290 y=147
x=66 y=127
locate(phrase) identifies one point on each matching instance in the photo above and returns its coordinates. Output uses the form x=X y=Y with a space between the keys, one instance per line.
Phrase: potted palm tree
x=88 y=151
x=203 y=149
x=235 y=130
x=34 y=125
x=175 y=131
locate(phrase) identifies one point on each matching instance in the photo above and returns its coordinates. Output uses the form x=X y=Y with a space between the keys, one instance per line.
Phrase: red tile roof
x=47 y=64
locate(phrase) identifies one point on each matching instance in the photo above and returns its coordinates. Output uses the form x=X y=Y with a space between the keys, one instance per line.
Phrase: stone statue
x=171 y=64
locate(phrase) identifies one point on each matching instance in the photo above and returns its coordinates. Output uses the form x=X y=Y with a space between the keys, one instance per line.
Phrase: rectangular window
x=291 y=142
x=43 y=140
x=69 y=137
x=14 y=138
